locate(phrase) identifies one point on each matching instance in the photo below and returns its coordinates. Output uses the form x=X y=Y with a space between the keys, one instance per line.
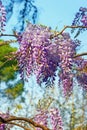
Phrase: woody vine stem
x=30 y=121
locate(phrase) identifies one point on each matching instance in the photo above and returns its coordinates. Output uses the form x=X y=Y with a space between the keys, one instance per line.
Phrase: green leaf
x=7 y=67
x=16 y=90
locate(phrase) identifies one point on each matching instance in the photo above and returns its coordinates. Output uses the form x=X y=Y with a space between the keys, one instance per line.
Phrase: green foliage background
x=8 y=71
x=7 y=67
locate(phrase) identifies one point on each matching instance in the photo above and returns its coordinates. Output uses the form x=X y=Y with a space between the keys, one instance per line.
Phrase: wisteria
x=83 y=16
x=84 y=20
x=36 y=55
x=67 y=49
x=80 y=19
x=42 y=55
x=2 y=17
x=47 y=54
x=41 y=118
x=55 y=119
x=81 y=75
x=50 y=117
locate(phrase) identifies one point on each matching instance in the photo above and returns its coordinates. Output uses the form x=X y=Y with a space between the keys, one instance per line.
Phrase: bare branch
x=13 y=35
x=65 y=27
x=12 y=118
x=82 y=54
x=55 y=35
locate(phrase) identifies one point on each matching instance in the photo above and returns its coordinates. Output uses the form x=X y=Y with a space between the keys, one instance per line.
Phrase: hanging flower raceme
x=42 y=55
x=41 y=119
x=2 y=17
x=84 y=20
x=55 y=119
x=82 y=72
x=50 y=117
x=83 y=15
x=80 y=20
x=35 y=56
x=66 y=50
x=80 y=17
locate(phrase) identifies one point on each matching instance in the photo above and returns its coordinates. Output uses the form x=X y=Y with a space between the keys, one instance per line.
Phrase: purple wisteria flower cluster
x=2 y=17
x=82 y=72
x=41 y=118
x=55 y=119
x=37 y=53
x=67 y=49
x=80 y=20
x=51 y=117
x=42 y=55
x=81 y=17
x=84 y=15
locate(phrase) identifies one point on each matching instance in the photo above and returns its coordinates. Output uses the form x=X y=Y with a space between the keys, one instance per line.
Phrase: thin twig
x=55 y=35
x=82 y=54
x=65 y=27
x=13 y=35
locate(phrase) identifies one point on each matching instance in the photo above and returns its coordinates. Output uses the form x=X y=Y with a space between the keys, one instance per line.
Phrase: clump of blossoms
x=41 y=118
x=34 y=54
x=51 y=117
x=82 y=72
x=2 y=17
x=55 y=119
x=66 y=51
x=80 y=20
x=80 y=17
x=84 y=20
x=41 y=54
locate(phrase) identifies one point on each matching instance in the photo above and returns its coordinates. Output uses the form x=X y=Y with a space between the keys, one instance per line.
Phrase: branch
x=65 y=27
x=27 y=120
x=55 y=35
x=13 y=35
x=12 y=118
x=82 y=54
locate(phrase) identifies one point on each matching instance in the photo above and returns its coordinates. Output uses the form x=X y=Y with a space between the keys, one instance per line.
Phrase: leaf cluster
x=7 y=67
x=15 y=90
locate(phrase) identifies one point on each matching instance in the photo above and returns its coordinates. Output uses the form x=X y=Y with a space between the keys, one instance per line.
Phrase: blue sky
x=57 y=13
